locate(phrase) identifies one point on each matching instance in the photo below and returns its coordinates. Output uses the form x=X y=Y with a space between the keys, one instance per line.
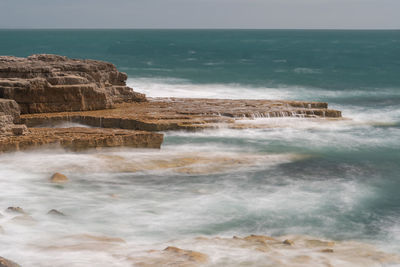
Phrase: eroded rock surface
x=162 y=114
x=9 y=116
x=80 y=139
x=51 y=83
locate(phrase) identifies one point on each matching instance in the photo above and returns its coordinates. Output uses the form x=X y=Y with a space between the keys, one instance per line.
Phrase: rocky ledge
x=79 y=138
x=162 y=114
x=49 y=89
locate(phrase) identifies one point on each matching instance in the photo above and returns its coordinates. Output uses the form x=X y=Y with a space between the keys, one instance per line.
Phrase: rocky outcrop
x=80 y=139
x=51 y=83
x=162 y=114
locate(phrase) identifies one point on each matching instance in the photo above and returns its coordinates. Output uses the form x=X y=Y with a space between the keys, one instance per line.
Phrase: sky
x=254 y=14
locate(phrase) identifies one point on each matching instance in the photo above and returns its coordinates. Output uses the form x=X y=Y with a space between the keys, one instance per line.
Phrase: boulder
x=58 y=178
x=51 y=83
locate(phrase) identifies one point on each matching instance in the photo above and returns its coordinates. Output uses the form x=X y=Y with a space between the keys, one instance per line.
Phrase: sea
x=331 y=179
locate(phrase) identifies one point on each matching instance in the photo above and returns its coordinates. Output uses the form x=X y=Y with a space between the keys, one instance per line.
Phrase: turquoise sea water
x=338 y=180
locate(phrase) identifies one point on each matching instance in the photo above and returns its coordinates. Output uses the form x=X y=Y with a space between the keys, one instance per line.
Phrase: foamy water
x=285 y=176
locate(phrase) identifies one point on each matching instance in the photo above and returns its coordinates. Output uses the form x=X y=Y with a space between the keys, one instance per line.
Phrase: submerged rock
x=16 y=210
x=55 y=212
x=189 y=255
x=59 y=178
x=7 y=263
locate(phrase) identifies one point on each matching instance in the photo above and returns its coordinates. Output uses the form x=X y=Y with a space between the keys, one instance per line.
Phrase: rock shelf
x=163 y=114
x=80 y=138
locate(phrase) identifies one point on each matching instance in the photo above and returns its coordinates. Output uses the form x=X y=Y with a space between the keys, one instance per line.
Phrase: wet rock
x=190 y=255
x=59 y=178
x=55 y=212
x=288 y=242
x=16 y=210
x=162 y=114
x=7 y=263
x=51 y=83
x=80 y=138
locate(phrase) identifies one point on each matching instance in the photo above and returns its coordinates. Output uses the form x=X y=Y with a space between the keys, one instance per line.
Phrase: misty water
x=333 y=179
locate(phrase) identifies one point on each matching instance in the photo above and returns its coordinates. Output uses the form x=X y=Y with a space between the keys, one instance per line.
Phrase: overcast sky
x=293 y=14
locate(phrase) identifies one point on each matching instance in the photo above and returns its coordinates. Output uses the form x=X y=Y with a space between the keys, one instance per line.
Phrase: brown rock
x=7 y=263
x=162 y=114
x=188 y=254
x=51 y=83
x=319 y=243
x=80 y=139
x=288 y=242
x=58 y=178
x=9 y=115
x=16 y=210
x=327 y=250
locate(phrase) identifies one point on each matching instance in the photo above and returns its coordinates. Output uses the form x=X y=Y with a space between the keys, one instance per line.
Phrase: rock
x=327 y=250
x=16 y=210
x=80 y=138
x=7 y=263
x=51 y=83
x=163 y=114
x=288 y=242
x=188 y=254
x=55 y=212
x=9 y=116
x=58 y=178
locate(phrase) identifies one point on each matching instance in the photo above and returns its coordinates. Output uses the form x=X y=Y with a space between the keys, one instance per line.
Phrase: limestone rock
x=7 y=263
x=163 y=114
x=51 y=83
x=58 y=178
x=78 y=138
x=9 y=116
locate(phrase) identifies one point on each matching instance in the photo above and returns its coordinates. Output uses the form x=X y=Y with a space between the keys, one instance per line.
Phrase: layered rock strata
x=162 y=114
x=80 y=138
x=51 y=83
x=9 y=116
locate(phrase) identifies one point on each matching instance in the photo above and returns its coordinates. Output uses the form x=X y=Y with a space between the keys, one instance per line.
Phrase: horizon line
x=311 y=29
